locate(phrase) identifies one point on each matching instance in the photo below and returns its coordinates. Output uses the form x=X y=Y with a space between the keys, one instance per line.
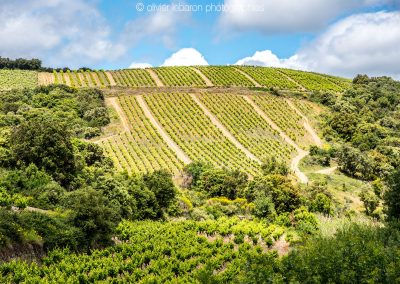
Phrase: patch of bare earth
x=110 y=78
x=45 y=78
x=281 y=246
x=96 y=79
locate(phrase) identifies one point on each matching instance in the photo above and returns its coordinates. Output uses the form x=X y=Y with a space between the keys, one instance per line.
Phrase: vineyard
x=247 y=126
x=133 y=78
x=155 y=252
x=313 y=81
x=18 y=79
x=140 y=150
x=219 y=76
x=284 y=116
x=269 y=77
x=82 y=79
x=179 y=77
x=225 y=76
x=194 y=132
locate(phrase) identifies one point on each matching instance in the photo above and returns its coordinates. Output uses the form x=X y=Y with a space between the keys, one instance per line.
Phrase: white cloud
x=66 y=33
x=364 y=43
x=262 y=58
x=270 y=16
x=185 y=57
x=140 y=65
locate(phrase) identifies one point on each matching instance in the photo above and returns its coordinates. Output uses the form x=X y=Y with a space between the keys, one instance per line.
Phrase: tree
x=160 y=182
x=392 y=196
x=220 y=182
x=93 y=214
x=272 y=166
x=284 y=195
x=370 y=200
x=45 y=142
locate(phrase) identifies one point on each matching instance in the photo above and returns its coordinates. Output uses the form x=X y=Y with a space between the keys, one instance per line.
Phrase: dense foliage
x=356 y=254
x=367 y=119
x=20 y=63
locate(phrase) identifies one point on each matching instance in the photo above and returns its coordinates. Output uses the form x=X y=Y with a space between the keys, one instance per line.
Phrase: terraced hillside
x=132 y=78
x=270 y=77
x=247 y=126
x=195 y=133
x=168 y=130
x=179 y=76
x=81 y=79
x=199 y=76
x=139 y=149
x=225 y=76
x=315 y=82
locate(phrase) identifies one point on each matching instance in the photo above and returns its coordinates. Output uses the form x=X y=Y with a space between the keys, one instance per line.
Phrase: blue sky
x=342 y=37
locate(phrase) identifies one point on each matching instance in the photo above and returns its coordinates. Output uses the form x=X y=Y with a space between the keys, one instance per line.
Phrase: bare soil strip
x=82 y=77
x=294 y=165
x=96 y=79
x=224 y=131
x=155 y=78
x=124 y=120
x=45 y=78
x=171 y=144
x=248 y=77
x=292 y=80
x=205 y=79
x=306 y=124
x=67 y=79
x=328 y=171
x=110 y=78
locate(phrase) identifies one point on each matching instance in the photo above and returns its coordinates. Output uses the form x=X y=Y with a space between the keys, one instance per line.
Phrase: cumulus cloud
x=69 y=33
x=363 y=43
x=262 y=58
x=269 y=16
x=140 y=65
x=185 y=57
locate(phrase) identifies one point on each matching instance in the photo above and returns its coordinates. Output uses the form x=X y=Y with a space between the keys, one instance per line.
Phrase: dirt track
x=294 y=165
x=224 y=131
x=171 y=144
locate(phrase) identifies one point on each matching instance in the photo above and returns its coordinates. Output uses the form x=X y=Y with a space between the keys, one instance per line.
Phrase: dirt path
x=294 y=165
x=224 y=131
x=205 y=79
x=155 y=78
x=113 y=101
x=110 y=78
x=248 y=77
x=171 y=144
x=306 y=124
x=45 y=78
x=328 y=171
x=292 y=80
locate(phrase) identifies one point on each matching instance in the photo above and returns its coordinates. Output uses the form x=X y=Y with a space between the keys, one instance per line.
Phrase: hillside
x=198 y=76
x=196 y=174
